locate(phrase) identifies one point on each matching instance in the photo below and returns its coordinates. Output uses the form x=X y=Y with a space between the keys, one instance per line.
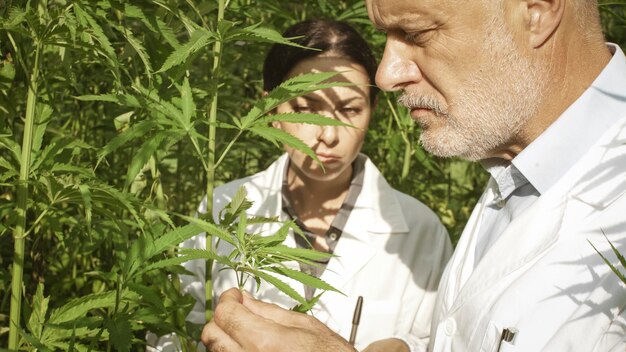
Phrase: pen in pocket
x=508 y=335
x=356 y=318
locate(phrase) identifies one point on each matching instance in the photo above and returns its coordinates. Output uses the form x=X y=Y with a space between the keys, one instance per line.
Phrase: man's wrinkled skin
x=242 y=323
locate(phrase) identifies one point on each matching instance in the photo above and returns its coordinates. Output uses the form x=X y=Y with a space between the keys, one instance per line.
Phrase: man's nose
x=397 y=70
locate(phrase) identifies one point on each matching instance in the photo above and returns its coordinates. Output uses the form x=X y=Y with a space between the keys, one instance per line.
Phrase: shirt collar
x=506 y=176
x=561 y=145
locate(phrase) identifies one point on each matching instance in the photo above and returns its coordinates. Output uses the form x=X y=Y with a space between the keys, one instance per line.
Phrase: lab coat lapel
x=531 y=234
x=525 y=239
x=375 y=212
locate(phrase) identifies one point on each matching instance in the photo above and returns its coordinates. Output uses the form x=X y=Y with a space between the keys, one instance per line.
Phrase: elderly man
x=529 y=89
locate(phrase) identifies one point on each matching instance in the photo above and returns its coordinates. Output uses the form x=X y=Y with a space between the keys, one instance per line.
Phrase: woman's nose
x=328 y=135
x=397 y=70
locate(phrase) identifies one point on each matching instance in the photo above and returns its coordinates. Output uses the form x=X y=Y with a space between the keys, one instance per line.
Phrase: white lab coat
x=542 y=277
x=392 y=252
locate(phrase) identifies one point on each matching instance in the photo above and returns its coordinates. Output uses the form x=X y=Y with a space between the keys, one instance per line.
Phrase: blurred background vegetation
x=83 y=212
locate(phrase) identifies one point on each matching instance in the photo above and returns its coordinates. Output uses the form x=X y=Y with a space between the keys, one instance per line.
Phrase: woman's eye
x=349 y=111
x=302 y=109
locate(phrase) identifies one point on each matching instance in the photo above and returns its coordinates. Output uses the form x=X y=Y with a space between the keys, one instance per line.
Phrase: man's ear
x=543 y=17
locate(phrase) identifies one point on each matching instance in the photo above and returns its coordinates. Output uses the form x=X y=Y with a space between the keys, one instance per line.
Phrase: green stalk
x=22 y=203
x=408 y=150
x=406 y=165
x=210 y=170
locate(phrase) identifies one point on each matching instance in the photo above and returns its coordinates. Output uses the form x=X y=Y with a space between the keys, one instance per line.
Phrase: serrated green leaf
x=120 y=99
x=209 y=228
x=86 y=20
x=34 y=342
x=273 y=240
x=72 y=169
x=147 y=150
x=186 y=255
x=139 y=49
x=149 y=294
x=619 y=255
x=120 y=333
x=153 y=23
x=47 y=155
x=42 y=118
x=615 y=270
x=255 y=33
x=135 y=131
x=241 y=229
x=282 y=286
x=172 y=239
x=4 y=163
x=199 y=40
x=303 y=308
x=39 y=310
x=13 y=147
x=297 y=254
x=288 y=90
x=303 y=278
x=171 y=112
x=233 y=209
x=278 y=135
x=293 y=117
x=85 y=193
x=189 y=107
x=79 y=307
x=16 y=16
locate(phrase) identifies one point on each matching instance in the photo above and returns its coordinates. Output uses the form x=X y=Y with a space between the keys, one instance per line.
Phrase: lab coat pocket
x=499 y=338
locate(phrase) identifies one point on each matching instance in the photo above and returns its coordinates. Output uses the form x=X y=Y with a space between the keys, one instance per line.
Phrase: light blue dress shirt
x=514 y=186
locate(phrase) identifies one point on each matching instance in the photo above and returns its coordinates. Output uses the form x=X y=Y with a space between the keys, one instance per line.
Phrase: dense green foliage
x=115 y=98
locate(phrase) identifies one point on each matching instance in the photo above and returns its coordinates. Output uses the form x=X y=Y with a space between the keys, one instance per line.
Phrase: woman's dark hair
x=330 y=37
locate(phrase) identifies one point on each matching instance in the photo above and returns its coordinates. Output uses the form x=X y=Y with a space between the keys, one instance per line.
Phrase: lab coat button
x=450 y=327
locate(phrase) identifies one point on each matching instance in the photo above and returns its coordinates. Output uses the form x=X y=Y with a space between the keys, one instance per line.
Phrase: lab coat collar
x=597 y=180
x=376 y=206
x=567 y=139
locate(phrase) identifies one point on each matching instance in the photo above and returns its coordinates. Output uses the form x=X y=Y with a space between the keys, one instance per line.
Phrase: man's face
x=462 y=75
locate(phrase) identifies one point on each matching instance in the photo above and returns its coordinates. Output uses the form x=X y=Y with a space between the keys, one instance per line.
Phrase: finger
x=232 y=294
x=216 y=340
x=244 y=327
x=277 y=314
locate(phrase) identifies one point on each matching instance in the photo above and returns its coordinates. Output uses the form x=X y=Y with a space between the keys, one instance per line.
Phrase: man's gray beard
x=491 y=109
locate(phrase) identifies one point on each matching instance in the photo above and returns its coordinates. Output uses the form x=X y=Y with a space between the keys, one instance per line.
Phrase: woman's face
x=336 y=147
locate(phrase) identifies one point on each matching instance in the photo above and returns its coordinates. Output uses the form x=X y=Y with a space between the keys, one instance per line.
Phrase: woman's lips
x=328 y=158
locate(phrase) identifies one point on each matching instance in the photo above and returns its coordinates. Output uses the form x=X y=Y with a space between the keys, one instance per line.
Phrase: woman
x=390 y=248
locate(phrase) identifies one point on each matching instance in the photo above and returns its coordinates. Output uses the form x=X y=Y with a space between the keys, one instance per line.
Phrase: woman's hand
x=242 y=323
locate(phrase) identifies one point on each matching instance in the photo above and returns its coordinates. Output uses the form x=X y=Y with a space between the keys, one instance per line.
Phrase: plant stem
x=22 y=204
x=210 y=170
x=408 y=149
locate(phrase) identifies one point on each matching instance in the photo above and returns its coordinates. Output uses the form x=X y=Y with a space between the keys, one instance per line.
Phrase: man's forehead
x=387 y=14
